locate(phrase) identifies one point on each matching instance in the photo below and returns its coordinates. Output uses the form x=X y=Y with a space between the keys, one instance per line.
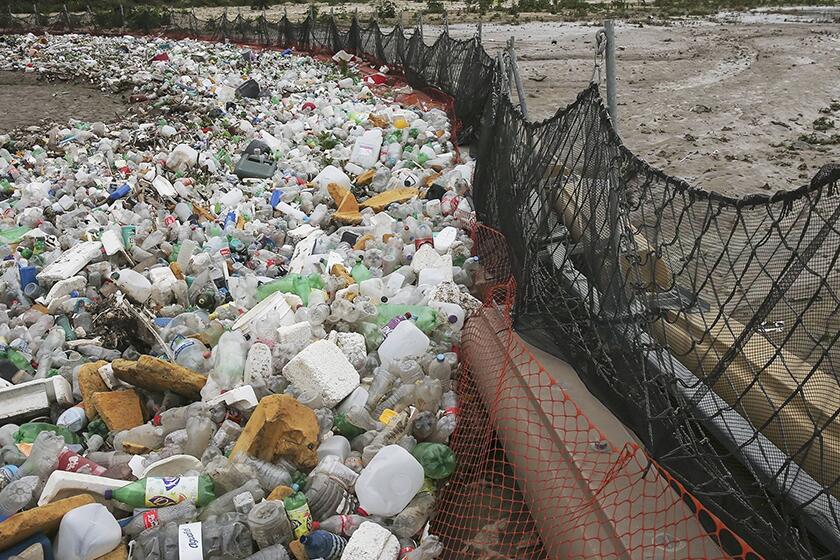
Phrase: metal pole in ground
x=517 y=79
x=612 y=106
x=479 y=31
x=420 y=23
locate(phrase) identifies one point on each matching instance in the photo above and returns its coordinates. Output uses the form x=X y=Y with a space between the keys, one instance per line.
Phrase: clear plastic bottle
x=226 y=536
x=411 y=520
x=225 y=502
x=344 y=525
x=229 y=357
x=15 y=496
x=270 y=475
x=327 y=496
x=382 y=381
x=398 y=400
x=427 y=394
x=429 y=549
x=228 y=475
x=269 y=524
x=189 y=352
x=447 y=423
x=440 y=369
x=200 y=430
x=43 y=459
x=179 y=513
x=408 y=370
x=226 y=434
x=275 y=552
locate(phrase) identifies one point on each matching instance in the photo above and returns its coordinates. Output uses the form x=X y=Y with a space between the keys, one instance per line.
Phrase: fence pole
x=612 y=107
x=479 y=31
x=420 y=24
x=445 y=22
x=517 y=79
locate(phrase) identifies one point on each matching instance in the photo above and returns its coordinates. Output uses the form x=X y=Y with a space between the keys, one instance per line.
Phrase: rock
x=120 y=410
x=43 y=519
x=159 y=376
x=280 y=427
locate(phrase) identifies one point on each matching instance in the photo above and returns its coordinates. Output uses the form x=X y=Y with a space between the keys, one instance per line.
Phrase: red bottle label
x=151 y=519
x=73 y=462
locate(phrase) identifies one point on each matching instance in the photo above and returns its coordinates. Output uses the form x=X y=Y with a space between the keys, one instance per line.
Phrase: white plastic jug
x=136 y=286
x=366 y=149
x=450 y=310
x=405 y=340
x=87 y=532
x=389 y=481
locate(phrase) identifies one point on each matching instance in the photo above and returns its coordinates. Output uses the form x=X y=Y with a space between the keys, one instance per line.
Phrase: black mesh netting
x=708 y=325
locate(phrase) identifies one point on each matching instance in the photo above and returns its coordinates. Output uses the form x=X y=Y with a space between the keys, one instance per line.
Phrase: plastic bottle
x=429 y=549
x=87 y=532
x=332 y=466
x=43 y=459
x=200 y=430
x=327 y=496
x=323 y=544
x=275 y=552
x=179 y=513
x=17 y=494
x=382 y=381
x=136 y=286
x=269 y=524
x=408 y=370
x=226 y=434
x=298 y=511
x=164 y=491
x=229 y=360
x=399 y=399
x=8 y=474
x=226 y=502
x=447 y=423
x=335 y=445
x=270 y=475
x=411 y=520
x=74 y=419
x=440 y=369
x=344 y=525
x=189 y=352
x=427 y=394
x=226 y=536
x=389 y=482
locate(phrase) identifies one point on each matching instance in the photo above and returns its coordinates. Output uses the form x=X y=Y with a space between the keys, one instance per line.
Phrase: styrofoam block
x=352 y=345
x=242 y=398
x=296 y=335
x=427 y=257
x=72 y=261
x=323 y=368
x=34 y=397
x=371 y=542
x=272 y=307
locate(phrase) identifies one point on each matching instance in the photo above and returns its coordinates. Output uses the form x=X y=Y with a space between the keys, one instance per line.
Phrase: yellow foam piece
x=382 y=200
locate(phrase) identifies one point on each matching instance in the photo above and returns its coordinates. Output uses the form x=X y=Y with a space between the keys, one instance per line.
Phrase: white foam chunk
x=323 y=368
x=371 y=542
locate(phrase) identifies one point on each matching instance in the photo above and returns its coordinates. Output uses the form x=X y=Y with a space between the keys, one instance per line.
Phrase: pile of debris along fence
x=704 y=323
x=231 y=315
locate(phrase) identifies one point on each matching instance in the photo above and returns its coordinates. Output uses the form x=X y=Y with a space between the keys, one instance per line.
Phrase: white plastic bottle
x=136 y=286
x=366 y=149
x=389 y=482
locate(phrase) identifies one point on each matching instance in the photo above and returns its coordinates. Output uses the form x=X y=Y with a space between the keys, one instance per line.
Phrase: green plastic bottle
x=19 y=360
x=29 y=431
x=360 y=272
x=292 y=283
x=425 y=318
x=437 y=459
x=343 y=427
x=165 y=491
x=298 y=511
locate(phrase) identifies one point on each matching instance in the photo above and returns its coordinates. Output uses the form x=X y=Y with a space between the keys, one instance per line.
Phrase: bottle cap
x=440 y=357
x=108 y=494
x=316 y=525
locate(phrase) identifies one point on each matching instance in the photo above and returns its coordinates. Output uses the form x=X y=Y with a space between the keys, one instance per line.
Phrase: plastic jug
x=405 y=340
x=366 y=149
x=389 y=482
x=87 y=532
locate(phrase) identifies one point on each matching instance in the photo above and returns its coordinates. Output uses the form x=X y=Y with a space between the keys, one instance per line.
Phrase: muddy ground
x=728 y=103
x=26 y=101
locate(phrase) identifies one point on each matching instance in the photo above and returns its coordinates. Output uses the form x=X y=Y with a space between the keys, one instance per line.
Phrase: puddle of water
x=25 y=101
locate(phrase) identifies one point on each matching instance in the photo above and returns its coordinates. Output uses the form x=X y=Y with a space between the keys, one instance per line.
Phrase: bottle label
x=301 y=520
x=73 y=462
x=189 y=542
x=170 y=490
x=392 y=324
x=150 y=518
x=179 y=345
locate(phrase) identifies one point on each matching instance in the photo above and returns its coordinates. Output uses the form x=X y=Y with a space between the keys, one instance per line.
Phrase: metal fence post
x=479 y=31
x=612 y=107
x=517 y=78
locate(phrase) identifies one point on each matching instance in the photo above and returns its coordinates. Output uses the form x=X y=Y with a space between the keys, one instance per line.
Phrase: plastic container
x=165 y=491
x=179 y=513
x=335 y=445
x=323 y=544
x=404 y=341
x=269 y=524
x=86 y=533
x=366 y=149
x=389 y=482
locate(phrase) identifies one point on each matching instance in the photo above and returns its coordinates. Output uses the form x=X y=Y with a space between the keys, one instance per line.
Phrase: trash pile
x=230 y=320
